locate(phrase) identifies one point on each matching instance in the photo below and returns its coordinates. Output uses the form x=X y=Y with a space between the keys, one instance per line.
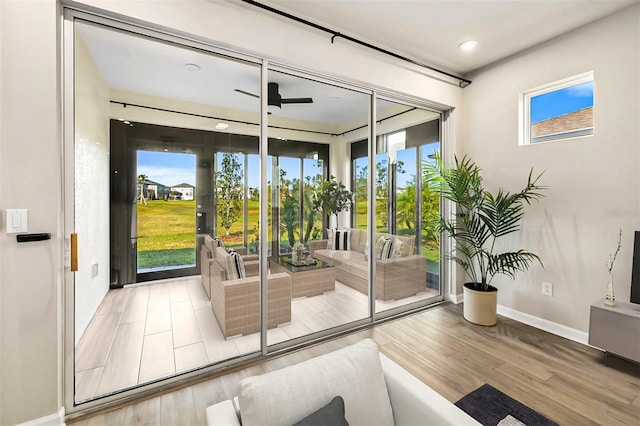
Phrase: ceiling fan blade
x=246 y=93
x=297 y=100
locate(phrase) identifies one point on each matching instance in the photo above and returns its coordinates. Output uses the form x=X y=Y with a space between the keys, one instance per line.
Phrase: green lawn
x=166 y=233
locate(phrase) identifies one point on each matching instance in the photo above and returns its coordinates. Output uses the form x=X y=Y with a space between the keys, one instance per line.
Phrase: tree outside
x=229 y=191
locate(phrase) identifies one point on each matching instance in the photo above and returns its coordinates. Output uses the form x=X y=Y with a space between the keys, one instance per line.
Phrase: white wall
x=30 y=177
x=91 y=187
x=594 y=182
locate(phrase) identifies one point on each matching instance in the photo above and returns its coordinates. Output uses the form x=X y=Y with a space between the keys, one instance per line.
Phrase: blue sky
x=167 y=168
x=561 y=102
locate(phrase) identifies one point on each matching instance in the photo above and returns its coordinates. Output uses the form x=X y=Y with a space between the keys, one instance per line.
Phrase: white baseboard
x=456 y=298
x=546 y=325
x=55 y=419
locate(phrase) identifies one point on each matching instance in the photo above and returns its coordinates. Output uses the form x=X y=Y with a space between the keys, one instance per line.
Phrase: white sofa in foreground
x=375 y=390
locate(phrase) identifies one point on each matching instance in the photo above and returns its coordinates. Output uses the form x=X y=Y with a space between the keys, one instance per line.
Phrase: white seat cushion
x=286 y=396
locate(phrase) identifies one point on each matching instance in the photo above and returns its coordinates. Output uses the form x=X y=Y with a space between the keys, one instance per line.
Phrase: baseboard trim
x=456 y=298
x=55 y=419
x=546 y=325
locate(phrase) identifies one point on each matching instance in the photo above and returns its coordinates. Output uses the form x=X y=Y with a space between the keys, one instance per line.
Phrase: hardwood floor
x=143 y=333
x=564 y=380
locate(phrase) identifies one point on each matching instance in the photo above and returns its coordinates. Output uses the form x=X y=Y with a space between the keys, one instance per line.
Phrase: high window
x=559 y=110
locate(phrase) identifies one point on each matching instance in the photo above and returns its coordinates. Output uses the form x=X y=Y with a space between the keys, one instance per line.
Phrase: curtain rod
x=462 y=82
x=126 y=104
x=192 y=114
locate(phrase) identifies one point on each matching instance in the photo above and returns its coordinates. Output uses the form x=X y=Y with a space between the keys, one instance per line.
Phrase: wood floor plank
x=93 y=349
x=158 y=310
x=217 y=348
x=184 y=324
x=121 y=368
x=178 y=292
x=114 y=301
x=566 y=381
x=177 y=408
x=198 y=297
x=190 y=356
x=87 y=383
x=136 y=307
x=157 y=357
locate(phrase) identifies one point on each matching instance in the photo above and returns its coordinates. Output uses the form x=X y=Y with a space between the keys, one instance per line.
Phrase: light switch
x=17 y=221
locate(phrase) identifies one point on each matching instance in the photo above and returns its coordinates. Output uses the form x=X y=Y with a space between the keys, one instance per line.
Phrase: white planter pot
x=480 y=307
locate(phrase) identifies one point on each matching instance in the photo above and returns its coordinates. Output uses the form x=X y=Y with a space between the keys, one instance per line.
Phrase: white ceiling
x=428 y=31
x=431 y=30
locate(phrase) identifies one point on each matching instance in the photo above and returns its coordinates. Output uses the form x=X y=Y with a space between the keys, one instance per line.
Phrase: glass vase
x=609 y=297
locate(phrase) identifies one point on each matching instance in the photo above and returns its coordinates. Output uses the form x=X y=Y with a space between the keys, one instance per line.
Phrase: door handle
x=74 y=252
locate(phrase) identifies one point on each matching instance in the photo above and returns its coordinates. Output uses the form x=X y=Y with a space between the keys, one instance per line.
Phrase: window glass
x=559 y=111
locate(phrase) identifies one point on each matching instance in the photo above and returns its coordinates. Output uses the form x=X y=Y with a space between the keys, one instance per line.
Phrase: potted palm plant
x=482 y=218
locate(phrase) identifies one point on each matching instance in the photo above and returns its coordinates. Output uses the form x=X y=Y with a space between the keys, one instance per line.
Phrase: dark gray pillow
x=330 y=414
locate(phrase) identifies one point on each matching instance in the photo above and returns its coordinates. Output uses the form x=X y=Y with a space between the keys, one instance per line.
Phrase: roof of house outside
x=581 y=119
x=183 y=185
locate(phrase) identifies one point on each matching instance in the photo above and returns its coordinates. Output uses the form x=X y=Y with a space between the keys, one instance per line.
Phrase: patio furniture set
x=235 y=301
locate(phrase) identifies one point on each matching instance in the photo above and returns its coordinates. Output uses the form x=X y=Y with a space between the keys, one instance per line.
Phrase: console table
x=616 y=329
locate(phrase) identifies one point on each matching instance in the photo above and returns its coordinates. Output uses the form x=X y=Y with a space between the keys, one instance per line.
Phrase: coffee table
x=306 y=280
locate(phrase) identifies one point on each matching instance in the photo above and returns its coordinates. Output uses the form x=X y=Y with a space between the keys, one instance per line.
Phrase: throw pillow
x=399 y=248
x=237 y=265
x=380 y=246
x=330 y=236
x=355 y=373
x=387 y=249
x=330 y=414
x=342 y=240
x=217 y=242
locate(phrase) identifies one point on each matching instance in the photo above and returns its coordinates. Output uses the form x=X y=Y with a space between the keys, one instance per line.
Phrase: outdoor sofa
x=401 y=275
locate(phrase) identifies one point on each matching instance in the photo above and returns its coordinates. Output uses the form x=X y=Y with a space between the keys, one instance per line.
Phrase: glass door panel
x=306 y=116
x=150 y=117
x=403 y=209
x=430 y=208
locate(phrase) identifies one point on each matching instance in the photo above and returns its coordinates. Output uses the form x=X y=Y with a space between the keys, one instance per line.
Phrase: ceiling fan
x=274 y=99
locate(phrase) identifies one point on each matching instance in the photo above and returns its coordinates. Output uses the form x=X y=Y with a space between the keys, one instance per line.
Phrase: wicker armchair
x=236 y=303
x=208 y=253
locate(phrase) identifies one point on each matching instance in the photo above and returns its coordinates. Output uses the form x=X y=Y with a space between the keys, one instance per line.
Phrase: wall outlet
x=547 y=289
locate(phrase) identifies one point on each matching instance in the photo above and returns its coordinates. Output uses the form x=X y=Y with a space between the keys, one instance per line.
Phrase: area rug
x=491 y=407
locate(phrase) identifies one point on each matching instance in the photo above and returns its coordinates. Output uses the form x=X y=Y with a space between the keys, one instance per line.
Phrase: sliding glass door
x=209 y=235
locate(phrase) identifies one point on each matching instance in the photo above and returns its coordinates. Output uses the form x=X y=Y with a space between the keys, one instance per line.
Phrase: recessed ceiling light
x=192 y=67
x=468 y=45
x=334 y=98
x=222 y=126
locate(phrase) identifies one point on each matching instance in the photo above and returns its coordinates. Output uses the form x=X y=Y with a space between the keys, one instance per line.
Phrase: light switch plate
x=17 y=221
